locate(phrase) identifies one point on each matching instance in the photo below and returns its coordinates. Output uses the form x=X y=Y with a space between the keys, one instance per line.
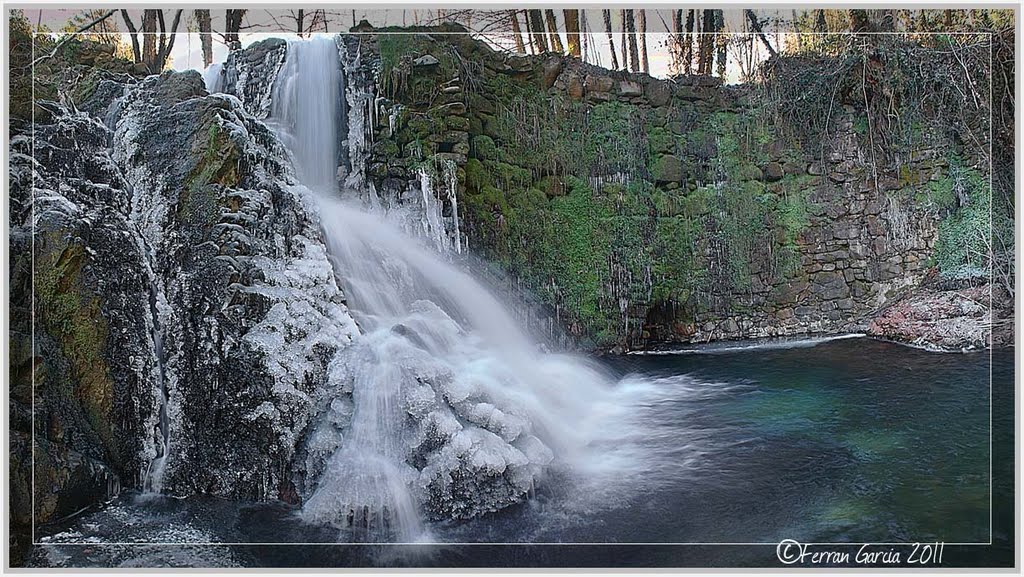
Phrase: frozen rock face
x=249 y=75
x=79 y=259
x=185 y=305
x=252 y=312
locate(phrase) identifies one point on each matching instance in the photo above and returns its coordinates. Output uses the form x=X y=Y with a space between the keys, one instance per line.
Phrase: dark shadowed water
x=852 y=440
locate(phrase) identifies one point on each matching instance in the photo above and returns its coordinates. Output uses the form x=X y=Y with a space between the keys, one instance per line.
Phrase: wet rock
x=552 y=68
x=946 y=320
x=599 y=84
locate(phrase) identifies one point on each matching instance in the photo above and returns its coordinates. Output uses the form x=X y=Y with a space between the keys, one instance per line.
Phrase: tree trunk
x=634 y=53
x=611 y=41
x=572 y=31
x=755 y=25
x=688 y=44
x=642 y=40
x=205 y=36
x=625 y=41
x=677 y=40
x=513 y=18
x=166 y=39
x=859 y=21
x=149 y=39
x=720 y=42
x=232 y=25
x=819 y=23
x=704 y=64
x=134 y=34
x=298 y=21
x=584 y=35
x=556 y=40
x=537 y=26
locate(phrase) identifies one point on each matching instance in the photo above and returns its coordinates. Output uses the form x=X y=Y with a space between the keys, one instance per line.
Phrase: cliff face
x=182 y=299
x=639 y=211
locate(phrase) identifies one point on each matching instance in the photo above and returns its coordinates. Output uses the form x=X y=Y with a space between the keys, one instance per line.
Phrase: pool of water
x=842 y=441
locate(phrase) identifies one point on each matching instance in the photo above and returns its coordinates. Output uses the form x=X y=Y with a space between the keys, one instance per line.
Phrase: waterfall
x=305 y=103
x=442 y=407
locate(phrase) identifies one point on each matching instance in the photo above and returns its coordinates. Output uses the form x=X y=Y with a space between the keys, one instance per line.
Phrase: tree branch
x=755 y=25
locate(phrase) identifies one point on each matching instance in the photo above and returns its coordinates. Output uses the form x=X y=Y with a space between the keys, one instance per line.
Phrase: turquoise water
x=852 y=440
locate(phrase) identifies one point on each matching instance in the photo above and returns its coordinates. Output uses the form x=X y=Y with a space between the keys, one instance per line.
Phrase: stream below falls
x=851 y=440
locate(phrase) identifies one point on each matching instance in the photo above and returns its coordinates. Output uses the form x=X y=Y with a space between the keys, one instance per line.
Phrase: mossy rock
x=668 y=168
x=484 y=147
x=552 y=186
x=216 y=169
x=477 y=176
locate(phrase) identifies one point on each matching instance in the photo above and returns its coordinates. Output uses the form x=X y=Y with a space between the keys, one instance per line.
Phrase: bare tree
x=859 y=21
x=572 y=31
x=163 y=52
x=706 y=43
x=611 y=41
x=149 y=38
x=644 y=64
x=556 y=40
x=691 y=17
x=585 y=43
x=630 y=27
x=625 y=41
x=232 y=26
x=517 y=32
x=103 y=27
x=157 y=39
x=133 y=34
x=677 y=40
x=720 y=43
x=536 y=20
x=755 y=25
x=205 y=35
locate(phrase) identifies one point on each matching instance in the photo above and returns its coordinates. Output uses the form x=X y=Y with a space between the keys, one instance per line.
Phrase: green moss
x=71 y=315
x=964 y=245
x=477 y=176
x=483 y=147
x=217 y=165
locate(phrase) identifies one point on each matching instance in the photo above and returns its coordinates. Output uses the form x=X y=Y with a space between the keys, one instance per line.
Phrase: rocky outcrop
x=954 y=320
x=182 y=298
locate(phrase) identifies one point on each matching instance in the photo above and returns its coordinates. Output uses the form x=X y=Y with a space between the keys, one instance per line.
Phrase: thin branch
x=755 y=25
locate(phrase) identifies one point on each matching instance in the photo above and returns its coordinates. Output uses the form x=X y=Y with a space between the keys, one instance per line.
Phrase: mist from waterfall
x=443 y=407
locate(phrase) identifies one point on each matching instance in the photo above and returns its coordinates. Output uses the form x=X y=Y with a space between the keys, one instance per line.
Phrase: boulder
x=773 y=172
x=668 y=168
x=425 y=61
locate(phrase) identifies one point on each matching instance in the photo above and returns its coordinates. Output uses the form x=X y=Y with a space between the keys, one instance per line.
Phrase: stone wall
x=863 y=238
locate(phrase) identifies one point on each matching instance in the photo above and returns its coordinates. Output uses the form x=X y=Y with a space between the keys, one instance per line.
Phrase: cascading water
x=442 y=407
x=305 y=102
